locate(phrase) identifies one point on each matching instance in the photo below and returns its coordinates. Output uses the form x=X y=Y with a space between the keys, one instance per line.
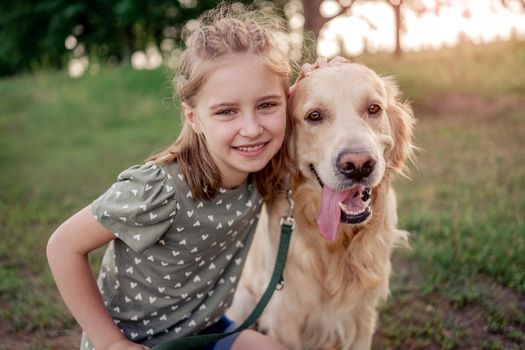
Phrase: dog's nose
x=355 y=165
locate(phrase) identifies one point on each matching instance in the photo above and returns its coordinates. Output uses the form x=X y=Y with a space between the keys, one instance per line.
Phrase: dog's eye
x=314 y=116
x=374 y=109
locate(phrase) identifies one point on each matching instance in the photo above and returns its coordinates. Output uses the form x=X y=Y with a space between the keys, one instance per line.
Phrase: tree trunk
x=313 y=21
x=397 y=10
x=129 y=42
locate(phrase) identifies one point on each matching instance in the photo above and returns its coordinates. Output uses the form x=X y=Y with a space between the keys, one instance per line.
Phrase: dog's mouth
x=349 y=206
x=356 y=208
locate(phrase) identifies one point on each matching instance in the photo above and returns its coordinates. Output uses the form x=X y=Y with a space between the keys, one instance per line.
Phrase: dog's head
x=349 y=131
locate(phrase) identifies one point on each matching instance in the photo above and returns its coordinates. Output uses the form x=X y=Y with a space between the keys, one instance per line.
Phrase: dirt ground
x=51 y=340
x=492 y=318
x=411 y=320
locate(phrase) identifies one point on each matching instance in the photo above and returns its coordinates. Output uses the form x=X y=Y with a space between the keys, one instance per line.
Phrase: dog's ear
x=402 y=121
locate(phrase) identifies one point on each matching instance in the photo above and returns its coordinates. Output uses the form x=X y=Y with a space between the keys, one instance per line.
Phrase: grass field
x=460 y=286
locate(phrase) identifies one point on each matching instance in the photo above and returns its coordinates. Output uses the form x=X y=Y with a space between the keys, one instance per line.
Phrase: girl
x=179 y=227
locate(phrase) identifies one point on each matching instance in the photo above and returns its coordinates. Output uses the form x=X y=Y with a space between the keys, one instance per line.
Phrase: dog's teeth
x=345 y=209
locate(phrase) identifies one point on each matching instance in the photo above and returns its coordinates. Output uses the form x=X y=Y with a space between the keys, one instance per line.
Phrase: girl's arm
x=67 y=252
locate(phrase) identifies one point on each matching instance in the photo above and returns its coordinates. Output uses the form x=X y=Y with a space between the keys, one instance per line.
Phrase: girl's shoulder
x=148 y=183
x=140 y=206
x=151 y=179
x=145 y=173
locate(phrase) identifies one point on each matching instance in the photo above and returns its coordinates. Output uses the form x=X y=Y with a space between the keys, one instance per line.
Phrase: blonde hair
x=225 y=30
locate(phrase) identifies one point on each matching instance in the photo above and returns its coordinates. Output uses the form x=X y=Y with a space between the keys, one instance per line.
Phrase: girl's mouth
x=251 y=150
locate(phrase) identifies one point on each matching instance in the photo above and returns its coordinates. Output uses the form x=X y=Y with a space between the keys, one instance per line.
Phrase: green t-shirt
x=176 y=262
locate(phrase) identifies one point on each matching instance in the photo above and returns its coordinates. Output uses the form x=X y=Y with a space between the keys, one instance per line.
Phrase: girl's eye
x=314 y=116
x=225 y=112
x=374 y=109
x=266 y=105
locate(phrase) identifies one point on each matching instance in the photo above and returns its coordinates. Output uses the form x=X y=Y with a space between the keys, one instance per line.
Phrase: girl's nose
x=251 y=127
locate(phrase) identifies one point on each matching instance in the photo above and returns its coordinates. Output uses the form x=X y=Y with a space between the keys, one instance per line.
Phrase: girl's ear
x=190 y=117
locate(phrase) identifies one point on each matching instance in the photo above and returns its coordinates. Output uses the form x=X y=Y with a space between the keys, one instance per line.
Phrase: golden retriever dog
x=350 y=136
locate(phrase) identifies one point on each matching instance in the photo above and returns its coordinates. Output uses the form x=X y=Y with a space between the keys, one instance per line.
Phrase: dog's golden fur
x=332 y=288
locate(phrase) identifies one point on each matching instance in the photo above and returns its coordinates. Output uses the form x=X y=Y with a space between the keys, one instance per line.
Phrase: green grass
x=486 y=71
x=465 y=210
x=465 y=204
x=63 y=141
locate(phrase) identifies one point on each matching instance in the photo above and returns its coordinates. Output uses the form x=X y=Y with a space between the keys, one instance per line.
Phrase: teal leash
x=276 y=282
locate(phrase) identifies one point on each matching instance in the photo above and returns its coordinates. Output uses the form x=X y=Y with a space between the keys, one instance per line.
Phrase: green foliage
x=33 y=32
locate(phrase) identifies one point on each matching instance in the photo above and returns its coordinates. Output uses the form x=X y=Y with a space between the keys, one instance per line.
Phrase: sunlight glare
x=139 y=60
x=329 y=8
x=78 y=66
x=150 y=59
x=355 y=33
x=371 y=27
x=70 y=42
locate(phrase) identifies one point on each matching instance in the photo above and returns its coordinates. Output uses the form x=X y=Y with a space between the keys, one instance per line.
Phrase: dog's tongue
x=330 y=213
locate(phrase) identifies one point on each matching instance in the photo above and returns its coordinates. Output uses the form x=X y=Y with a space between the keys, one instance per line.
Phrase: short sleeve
x=139 y=208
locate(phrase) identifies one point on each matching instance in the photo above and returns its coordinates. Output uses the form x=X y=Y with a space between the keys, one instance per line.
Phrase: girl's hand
x=320 y=62
x=125 y=344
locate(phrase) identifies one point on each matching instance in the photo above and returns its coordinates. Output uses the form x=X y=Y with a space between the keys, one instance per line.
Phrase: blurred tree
x=514 y=4
x=23 y=26
x=33 y=32
x=507 y=3
x=314 y=21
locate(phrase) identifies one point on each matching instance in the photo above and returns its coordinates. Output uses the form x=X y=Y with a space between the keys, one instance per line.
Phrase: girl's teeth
x=250 y=148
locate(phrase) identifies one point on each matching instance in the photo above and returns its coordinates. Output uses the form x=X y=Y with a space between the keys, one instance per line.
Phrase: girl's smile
x=251 y=150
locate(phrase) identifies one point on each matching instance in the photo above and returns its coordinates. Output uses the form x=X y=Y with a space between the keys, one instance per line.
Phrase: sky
x=371 y=26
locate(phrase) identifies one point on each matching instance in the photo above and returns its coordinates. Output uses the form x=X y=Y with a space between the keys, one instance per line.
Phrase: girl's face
x=241 y=111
